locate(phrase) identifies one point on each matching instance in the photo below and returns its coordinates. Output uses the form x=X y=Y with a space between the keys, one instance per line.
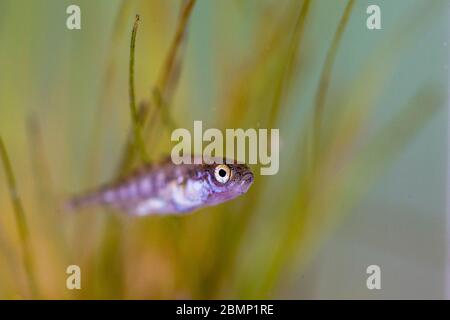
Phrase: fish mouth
x=246 y=182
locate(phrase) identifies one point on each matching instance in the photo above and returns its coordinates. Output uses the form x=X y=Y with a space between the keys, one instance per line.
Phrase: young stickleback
x=166 y=188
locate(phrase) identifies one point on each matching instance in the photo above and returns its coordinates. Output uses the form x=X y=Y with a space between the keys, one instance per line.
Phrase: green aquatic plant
x=21 y=221
x=259 y=64
x=136 y=122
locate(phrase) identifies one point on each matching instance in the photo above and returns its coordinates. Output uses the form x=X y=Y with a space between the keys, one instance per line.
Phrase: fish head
x=227 y=181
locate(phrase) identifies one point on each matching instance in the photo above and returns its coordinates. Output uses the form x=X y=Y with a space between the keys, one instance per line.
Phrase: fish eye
x=222 y=173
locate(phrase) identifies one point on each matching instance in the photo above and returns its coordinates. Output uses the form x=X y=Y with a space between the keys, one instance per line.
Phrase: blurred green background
x=363 y=124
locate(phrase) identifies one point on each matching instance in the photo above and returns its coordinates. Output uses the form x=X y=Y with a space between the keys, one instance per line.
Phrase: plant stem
x=166 y=84
x=138 y=140
x=325 y=76
x=24 y=234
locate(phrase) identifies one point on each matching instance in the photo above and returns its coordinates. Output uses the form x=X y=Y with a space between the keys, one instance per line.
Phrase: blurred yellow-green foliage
x=348 y=101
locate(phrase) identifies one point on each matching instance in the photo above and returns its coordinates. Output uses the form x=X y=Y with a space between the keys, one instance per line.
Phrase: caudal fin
x=82 y=201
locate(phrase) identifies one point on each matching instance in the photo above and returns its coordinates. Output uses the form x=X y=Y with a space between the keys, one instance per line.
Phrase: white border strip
x=447 y=237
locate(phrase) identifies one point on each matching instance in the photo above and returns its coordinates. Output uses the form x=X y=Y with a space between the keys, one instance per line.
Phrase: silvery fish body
x=167 y=188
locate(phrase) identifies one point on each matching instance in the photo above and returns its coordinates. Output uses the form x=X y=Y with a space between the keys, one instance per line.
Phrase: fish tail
x=84 y=200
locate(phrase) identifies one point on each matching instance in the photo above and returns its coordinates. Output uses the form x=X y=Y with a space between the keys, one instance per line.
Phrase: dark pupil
x=222 y=173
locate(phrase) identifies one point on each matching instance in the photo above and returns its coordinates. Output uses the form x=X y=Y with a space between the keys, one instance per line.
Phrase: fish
x=166 y=188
